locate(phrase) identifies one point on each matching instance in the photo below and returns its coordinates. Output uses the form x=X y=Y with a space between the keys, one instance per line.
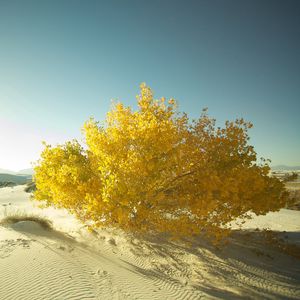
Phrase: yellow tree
x=153 y=170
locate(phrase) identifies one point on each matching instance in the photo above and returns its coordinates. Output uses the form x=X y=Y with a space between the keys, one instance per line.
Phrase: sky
x=64 y=61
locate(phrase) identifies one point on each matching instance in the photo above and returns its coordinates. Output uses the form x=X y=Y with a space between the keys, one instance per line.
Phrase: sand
x=69 y=262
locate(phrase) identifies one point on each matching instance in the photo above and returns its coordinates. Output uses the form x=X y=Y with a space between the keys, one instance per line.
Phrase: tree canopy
x=155 y=170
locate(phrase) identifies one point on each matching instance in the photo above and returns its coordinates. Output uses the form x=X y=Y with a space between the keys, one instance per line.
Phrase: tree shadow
x=254 y=264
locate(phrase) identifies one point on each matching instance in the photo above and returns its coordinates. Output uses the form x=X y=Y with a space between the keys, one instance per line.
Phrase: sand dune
x=71 y=263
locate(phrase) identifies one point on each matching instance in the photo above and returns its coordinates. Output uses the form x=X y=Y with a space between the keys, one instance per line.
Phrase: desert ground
x=69 y=262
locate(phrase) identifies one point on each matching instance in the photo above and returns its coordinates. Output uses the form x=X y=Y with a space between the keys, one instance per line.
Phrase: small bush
x=30 y=187
x=154 y=170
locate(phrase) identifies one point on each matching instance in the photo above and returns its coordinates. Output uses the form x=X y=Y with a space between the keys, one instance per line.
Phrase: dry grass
x=15 y=218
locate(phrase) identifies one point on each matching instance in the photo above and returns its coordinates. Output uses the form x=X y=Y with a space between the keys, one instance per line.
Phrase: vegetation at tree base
x=154 y=170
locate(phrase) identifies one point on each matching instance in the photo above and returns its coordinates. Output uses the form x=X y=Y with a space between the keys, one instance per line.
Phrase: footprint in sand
x=8 y=246
x=67 y=248
x=100 y=272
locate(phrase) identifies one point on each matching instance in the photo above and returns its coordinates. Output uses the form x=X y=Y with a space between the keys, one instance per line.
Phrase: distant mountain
x=4 y=171
x=11 y=178
x=21 y=172
x=17 y=179
x=25 y=172
x=285 y=168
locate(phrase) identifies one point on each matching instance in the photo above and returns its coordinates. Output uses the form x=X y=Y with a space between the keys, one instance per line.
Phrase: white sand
x=70 y=263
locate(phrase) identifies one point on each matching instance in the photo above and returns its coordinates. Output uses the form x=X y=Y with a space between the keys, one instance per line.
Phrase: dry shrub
x=18 y=217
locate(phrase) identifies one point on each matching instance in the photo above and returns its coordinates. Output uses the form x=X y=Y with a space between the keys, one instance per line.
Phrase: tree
x=153 y=170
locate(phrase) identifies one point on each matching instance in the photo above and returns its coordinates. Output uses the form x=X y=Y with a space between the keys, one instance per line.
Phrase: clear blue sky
x=63 y=61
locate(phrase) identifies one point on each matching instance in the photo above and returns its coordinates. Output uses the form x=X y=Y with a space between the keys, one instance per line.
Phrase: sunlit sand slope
x=70 y=263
